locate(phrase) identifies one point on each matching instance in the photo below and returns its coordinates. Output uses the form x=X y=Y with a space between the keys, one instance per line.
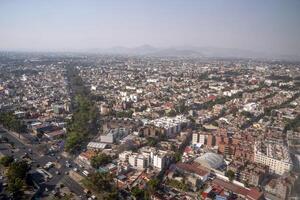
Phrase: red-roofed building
x=84 y=158
x=193 y=168
x=193 y=173
x=254 y=194
x=249 y=194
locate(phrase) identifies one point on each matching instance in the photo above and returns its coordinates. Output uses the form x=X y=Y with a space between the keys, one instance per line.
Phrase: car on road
x=68 y=164
x=75 y=169
x=86 y=173
x=49 y=165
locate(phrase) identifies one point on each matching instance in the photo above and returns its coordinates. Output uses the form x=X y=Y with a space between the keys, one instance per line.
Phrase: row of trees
x=11 y=122
x=85 y=114
x=82 y=124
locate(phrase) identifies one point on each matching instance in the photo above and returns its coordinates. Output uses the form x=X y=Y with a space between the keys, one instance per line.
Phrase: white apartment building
x=274 y=155
x=144 y=159
x=198 y=139
x=195 y=138
x=158 y=159
x=114 y=135
x=135 y=160
x=172 y=125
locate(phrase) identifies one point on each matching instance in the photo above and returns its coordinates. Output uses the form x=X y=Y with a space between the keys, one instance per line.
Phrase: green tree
x=230 y=174
x=124 y=114
x=101 y=184
x=140 y=194
x=178 y=184
x=16 y=174
x=73 y=141
x=17 y=170
x=15 y=186
x=137 y=193
x=100 y=160
x=11 y=122
x=85 y=113
x=152 y=141
x=152 y=185
x=177 y=156
x=6 y=160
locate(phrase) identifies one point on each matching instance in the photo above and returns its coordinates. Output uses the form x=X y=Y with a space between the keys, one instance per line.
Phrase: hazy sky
x=261 y=25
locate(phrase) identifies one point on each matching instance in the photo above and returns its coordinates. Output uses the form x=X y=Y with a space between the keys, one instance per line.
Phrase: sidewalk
x=17 y=136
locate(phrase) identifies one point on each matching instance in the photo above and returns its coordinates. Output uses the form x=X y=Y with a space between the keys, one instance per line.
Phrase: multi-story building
x=113 y=135
x=155 y=158
x=170 y=126
x=211 y=141
x=281 y=187
x=274 y=155
x=198 y=138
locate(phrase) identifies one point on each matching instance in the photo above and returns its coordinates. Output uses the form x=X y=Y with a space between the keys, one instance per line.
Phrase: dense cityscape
x=89 y=126
x=150 y=100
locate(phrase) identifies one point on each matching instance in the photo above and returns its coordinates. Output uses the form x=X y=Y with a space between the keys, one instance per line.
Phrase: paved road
x=24 y=147
x=75 y=187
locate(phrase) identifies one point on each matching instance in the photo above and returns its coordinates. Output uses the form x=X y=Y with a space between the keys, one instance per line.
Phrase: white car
x=49 y=165
x=68 y=165
x=86 y=173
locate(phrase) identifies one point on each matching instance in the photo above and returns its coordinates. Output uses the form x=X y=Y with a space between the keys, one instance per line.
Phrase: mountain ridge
x=192 y=51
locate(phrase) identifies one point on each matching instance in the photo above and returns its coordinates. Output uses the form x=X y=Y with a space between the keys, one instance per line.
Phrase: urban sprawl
x=84 y=126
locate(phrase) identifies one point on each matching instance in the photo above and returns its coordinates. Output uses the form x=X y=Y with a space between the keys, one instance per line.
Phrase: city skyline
x=270 y=27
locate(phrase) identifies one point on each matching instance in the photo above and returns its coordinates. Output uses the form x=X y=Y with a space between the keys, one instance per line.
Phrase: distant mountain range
x=190 y=51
